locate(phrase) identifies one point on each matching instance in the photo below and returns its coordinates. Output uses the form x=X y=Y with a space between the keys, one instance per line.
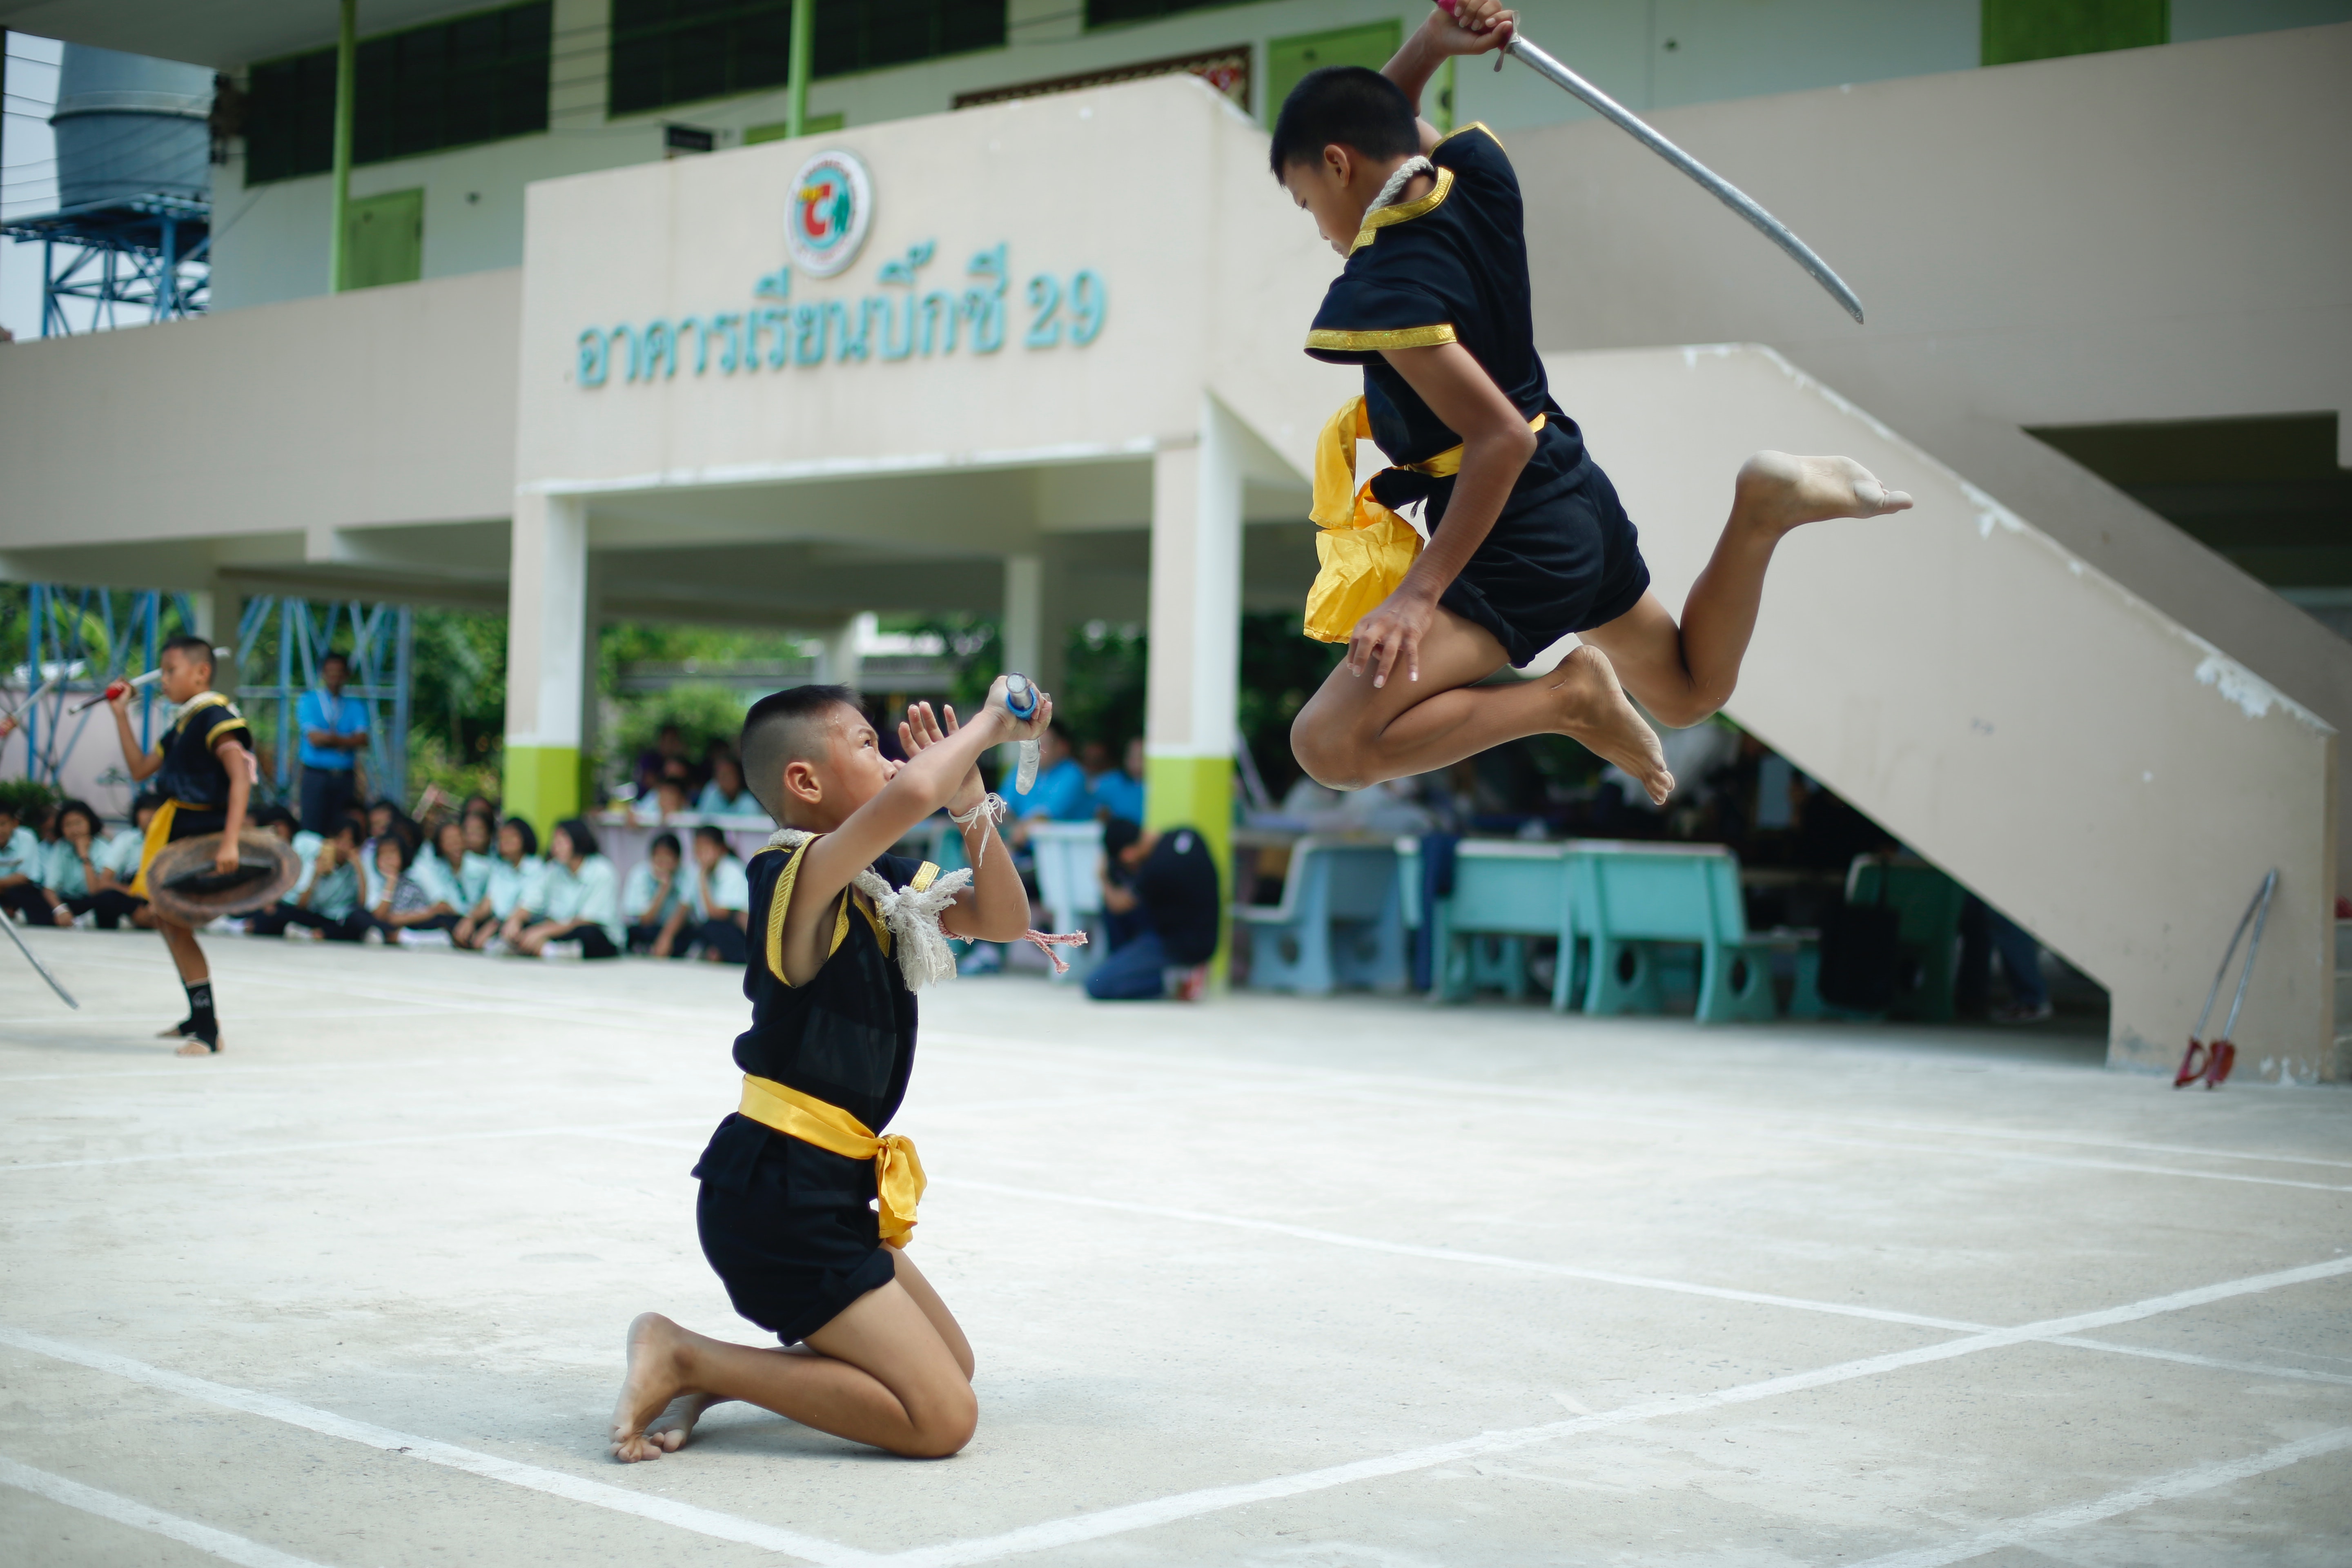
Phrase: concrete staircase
x=2111 y=781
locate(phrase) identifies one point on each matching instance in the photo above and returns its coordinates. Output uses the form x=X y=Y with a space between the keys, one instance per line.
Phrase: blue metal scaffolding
x=296 y=636
x=145 y=259
x=75 y=641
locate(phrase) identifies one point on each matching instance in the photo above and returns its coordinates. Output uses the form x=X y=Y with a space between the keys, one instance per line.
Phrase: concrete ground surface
x=1356 y=1283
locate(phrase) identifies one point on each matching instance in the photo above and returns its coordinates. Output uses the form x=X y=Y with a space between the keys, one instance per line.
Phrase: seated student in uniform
x=121 y=855
x=805 y=1212
x=398 y=901
x=328 y=898
x=23 y=861
x=720 y=896
x=513 y=884
x=1118 y=791
x=726 y=794
x=1172 y=886
x=653 y=900
x=68 y=862
x=579 y=898
x=454 y=878
x=1528 y=541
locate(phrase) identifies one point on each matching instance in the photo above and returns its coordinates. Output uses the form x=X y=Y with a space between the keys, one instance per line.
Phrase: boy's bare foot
x=647 y=1389
x=672 y=1429
x=1593 y=709
x=1783 y=492
x=194 y=1045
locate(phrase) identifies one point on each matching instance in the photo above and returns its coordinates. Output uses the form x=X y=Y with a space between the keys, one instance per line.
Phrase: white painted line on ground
x=1608 y=1105
x=2211 y=1363
x=555 y=1483
x=1189 y=1505
x=154 y=1521
x=1455 y=1255
x=1159 y=1511
x=342 y=1144
x=2164 y=1488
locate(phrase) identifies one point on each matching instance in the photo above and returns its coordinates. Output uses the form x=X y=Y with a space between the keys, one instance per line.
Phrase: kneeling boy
x=789 y=1215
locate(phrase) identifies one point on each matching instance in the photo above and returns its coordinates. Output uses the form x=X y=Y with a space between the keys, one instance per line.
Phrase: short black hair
x=1118 y=834
x=716 y=833
x=786 y=727
x=530 y=833
x=332 y=658
x=146 y=800
x=187 y=646
x=583 y=837
x=398 y=841
x=268 y=815
x=68 y=808
x=1348 y=105
x=666 y=841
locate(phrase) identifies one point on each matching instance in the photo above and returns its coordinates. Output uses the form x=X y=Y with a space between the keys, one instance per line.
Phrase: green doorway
x=383 y=239
x=1288 y=60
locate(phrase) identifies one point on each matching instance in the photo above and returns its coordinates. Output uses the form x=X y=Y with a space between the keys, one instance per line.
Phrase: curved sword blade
x=1727 y=193
x=39 y=968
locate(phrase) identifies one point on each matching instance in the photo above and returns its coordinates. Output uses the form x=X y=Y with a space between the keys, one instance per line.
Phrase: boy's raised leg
x=882 y=1375
x=1353 y=733
x=1682 y=674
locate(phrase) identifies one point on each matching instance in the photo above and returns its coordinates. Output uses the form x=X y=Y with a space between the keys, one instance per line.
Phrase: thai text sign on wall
x=824 y=228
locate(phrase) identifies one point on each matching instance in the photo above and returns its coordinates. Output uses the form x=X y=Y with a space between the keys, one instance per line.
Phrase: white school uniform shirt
x=725 y=891
x=127 y=849
x=592 y=894
x=518 y=885
x=24 y=855
x=334 y=895
x=637 y=895
x=63 y=876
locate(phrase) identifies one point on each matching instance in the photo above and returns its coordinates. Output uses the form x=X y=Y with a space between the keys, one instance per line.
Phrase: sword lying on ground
x=1723 y=191
x=10 y=927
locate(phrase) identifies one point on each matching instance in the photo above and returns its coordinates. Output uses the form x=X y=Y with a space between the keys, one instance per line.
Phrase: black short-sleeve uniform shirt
x=1451 y=268
x=193 y=772
x=788 y=1227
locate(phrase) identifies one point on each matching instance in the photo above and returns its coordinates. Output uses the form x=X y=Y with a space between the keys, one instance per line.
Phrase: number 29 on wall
x=1086 y=298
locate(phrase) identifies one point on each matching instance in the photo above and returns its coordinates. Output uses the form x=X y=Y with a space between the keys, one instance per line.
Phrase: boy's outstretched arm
x=918 y=788
x=995 y=908
x=1495 y=446
x=1472 y=28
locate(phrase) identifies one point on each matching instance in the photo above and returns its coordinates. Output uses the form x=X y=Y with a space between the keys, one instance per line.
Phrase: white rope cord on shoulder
x=1393 y=191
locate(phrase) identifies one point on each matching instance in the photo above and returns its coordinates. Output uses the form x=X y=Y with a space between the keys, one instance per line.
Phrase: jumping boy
x=206 y=777
x=803 y=1209
x=1434 y=304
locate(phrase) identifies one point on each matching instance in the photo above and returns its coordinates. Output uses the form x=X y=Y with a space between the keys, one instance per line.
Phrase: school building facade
x=1040 y=359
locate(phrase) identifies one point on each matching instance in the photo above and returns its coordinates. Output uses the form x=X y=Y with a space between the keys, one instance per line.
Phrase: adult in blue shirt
x=1119 y=792
x=334 y=730
x=1059 y=793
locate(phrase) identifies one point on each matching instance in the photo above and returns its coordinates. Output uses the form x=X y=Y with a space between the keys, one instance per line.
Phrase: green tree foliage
x=1102 y=684
x=1281 y=668
x=457 y=702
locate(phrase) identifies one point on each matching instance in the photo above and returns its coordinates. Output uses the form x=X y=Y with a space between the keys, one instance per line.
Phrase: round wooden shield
x=184 y=885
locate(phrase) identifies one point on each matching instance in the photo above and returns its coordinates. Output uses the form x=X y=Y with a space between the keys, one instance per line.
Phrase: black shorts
x=1562 y=558
x=789 y=1228
x=188 y=824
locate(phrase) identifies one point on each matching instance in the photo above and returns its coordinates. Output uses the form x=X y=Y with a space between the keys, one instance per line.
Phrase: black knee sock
x=200 y=1023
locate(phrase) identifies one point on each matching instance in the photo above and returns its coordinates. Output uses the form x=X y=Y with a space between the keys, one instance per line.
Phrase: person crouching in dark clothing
x=1161 y=888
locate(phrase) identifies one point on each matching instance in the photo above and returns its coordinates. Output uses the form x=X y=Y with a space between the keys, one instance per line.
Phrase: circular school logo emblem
x=832 y=203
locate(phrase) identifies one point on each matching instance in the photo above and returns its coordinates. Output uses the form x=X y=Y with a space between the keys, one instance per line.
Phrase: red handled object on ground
x=2212 y=1062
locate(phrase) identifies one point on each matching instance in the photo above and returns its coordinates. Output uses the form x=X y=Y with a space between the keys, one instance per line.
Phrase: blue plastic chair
x=1340 y=922
x=1628 y=900
x=1505 y=891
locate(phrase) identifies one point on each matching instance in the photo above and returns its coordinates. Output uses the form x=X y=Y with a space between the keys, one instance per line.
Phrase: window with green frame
x=477 y=77
x=1108 y=13
x=676 y=51
x=2017 y=30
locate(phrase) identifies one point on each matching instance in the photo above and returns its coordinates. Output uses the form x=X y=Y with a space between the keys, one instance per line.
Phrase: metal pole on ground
x=347 y=52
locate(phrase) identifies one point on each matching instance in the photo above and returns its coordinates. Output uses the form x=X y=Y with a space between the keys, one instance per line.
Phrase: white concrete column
x=547 y=671
x=1196 y=586
x=845 y=649
x=1192 y=706
x=1024 y=621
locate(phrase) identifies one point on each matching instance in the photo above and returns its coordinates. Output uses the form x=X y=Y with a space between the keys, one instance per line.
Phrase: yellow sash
x=1364 y=549
x=159 y=832
x=898 y=1173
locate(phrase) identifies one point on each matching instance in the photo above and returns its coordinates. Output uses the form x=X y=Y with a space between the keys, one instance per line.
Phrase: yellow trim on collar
x=1465 y=130
x=1395 y=338
x=1402 y=211
x=780 y=901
